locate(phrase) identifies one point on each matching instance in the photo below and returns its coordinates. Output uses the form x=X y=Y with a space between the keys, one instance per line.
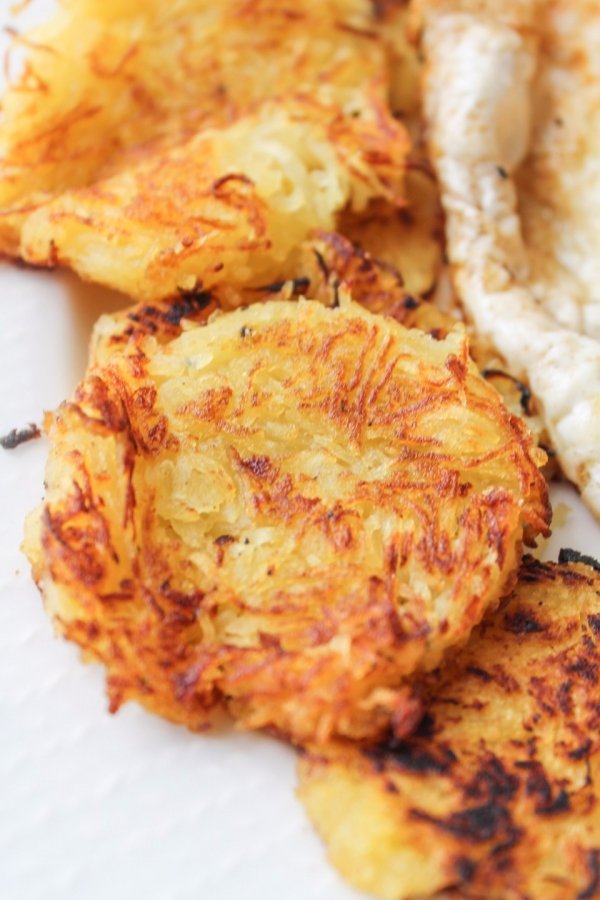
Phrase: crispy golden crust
x=326 y=267
x=286 y=511
x=115 y=76
x=182 y=146
x=496 y=796
x=323 y=267
x=201 y=214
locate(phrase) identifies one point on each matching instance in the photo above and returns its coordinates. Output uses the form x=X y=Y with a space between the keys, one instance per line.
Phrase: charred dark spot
x=321 y=263
x=411 y=757
x=581 y=752
x=533 y=571
x=538 y=786
x=560 y=803
x=299 y=286
x=187 y=306
x=426 y=727
x=171 y=313
x=523 y=622
x=585 y=668
x=465 y=868
x=186 y=601
x=479 y=673
x=438 y=334
x=571 y=577
x=245 y=331
x=506 y=681
x=501 y=171
x=336 y=294
x=567 y=555
x=563 y=695
x=594 y=623
x=410 y=302
x=477 y=824
x=525 y=393
x=146 y=318
x=492 y=781
x=508 y=843
x=592 y=860
x=18 y=436
x=544 y=695
x=224 y=539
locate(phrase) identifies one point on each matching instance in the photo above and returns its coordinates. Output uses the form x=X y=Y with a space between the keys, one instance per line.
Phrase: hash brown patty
x=285 y=511
x=496 y=795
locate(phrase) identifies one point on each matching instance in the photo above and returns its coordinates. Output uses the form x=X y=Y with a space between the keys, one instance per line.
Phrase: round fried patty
x=287 y=511
x=497 y=793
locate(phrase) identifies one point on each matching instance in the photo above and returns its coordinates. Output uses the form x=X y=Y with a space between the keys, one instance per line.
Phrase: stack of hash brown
x=283 y=487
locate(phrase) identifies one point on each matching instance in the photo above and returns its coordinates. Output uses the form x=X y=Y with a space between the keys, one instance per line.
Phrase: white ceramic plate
x=93 y=806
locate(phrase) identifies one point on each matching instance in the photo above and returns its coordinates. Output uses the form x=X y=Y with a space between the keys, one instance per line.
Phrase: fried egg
x=480 y=133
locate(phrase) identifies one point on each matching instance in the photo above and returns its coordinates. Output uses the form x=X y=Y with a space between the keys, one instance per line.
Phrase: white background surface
x=126 y=807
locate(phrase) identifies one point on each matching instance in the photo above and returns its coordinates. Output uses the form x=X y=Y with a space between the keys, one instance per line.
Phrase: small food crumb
x=19 y=436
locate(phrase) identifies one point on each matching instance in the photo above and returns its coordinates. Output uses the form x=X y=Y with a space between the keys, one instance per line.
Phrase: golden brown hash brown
x=322 y=268
x=114 y=76
x=157 y=147
x=497 y=793
x=285 y=511
x=198 y=214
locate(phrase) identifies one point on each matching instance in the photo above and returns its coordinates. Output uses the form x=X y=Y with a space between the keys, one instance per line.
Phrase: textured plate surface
x=97 y=806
